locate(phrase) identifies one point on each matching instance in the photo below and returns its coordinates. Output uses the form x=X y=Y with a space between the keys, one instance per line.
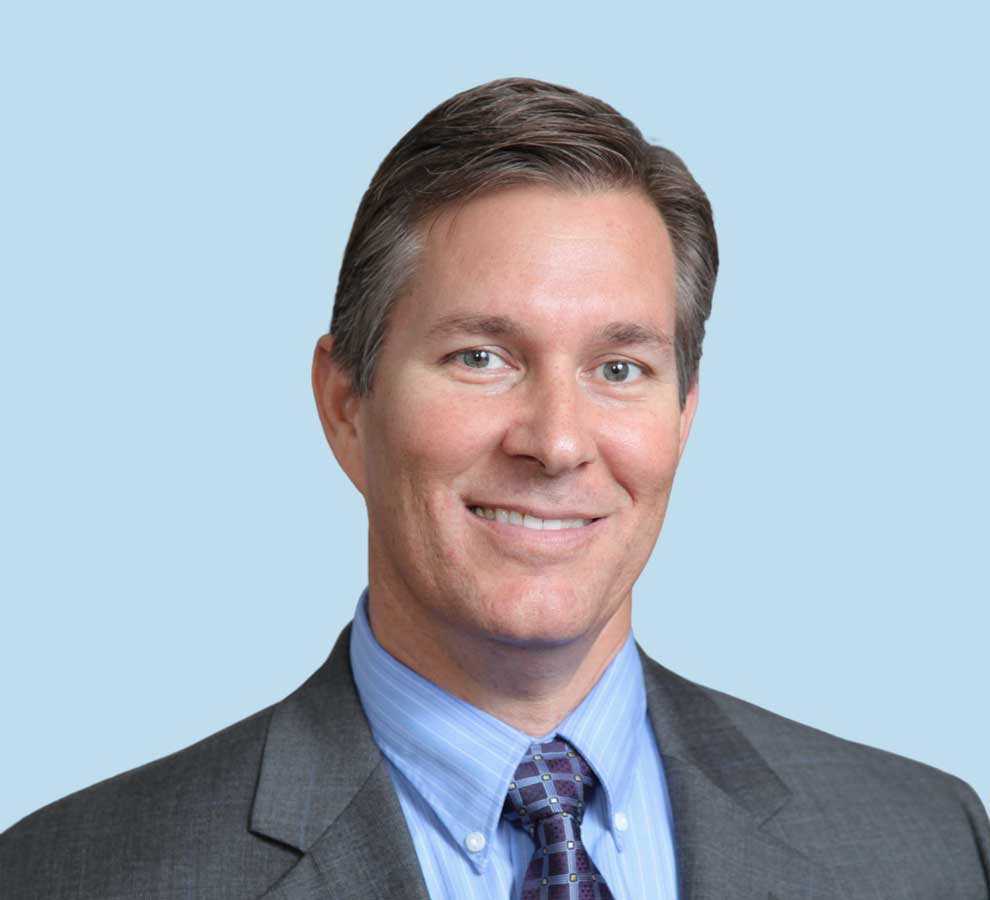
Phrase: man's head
x=511 y=374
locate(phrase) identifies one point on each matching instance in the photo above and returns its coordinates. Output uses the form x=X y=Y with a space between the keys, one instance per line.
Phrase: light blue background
x=179 y=548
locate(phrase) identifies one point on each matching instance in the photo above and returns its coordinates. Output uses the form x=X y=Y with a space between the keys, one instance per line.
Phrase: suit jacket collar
x=691 y=727
x=325 y=790
x=724 y=797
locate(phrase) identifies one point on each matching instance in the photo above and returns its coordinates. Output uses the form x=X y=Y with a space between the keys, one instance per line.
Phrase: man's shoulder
x=191 y=771
x=795 y=750
x=848 y=801
x=224 y=818
x=120 y=836
x=788 y=745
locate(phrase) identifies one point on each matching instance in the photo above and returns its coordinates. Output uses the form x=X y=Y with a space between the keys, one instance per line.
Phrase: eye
x=481 y=359
x=621 y=370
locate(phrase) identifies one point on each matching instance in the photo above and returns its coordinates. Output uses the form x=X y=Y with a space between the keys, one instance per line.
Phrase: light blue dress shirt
x=451 y=764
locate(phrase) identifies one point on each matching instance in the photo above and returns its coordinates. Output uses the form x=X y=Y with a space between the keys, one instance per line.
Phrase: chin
x=539 y=615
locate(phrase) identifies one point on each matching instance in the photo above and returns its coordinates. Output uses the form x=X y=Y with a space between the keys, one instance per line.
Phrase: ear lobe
x=338 y=405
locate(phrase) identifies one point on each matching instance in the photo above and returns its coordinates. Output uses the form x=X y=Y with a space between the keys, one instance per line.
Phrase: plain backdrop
x=178 y=182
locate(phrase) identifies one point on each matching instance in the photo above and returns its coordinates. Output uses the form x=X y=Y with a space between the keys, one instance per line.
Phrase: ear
x=687 y=416
x=339 y=406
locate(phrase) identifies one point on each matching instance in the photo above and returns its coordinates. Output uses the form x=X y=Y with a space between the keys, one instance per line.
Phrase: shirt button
x=621 y=821
x=475 y=842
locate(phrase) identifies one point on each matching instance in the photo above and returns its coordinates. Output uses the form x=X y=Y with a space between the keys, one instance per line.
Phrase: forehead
x=534 y=251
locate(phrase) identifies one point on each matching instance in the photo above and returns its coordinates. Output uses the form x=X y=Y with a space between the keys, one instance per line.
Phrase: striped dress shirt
x=451 y=764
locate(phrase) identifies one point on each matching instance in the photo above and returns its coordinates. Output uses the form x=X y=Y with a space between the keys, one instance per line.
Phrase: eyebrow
x=627 y=334
x=489 y=326
x=635 y=334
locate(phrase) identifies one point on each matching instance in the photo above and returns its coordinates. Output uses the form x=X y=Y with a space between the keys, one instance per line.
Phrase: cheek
x=641 y=453
x=426 y=438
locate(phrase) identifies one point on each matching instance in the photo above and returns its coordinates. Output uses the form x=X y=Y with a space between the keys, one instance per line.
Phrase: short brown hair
x=509 y=132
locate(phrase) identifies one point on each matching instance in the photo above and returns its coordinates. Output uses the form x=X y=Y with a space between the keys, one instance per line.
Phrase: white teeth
x=511 y=517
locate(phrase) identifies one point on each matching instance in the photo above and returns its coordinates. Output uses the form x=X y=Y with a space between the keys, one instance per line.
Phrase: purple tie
x=547 y=797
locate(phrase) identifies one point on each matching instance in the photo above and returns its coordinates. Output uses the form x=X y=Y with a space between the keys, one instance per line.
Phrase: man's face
x=529 y=375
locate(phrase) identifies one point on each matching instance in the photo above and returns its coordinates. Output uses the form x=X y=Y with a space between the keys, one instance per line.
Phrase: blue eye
x=621 y=371
x=481 y=359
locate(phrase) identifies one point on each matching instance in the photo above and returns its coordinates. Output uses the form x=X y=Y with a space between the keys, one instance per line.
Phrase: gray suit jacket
x=295 y=803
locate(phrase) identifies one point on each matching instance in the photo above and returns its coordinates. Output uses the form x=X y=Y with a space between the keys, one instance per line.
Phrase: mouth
x=529 y=520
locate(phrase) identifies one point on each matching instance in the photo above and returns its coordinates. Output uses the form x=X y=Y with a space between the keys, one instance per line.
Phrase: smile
x=514 y=517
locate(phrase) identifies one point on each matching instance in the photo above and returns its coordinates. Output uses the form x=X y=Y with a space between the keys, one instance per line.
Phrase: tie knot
x=551 y=780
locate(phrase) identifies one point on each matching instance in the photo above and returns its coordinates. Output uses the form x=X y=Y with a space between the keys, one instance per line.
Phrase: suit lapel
x=366 y=853
x=325 y=789
x=722 y=794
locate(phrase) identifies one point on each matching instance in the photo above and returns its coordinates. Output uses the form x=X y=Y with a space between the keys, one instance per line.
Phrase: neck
x=530 y=687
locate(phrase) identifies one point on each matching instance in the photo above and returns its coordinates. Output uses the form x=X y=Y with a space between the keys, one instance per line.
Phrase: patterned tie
x=547 y=799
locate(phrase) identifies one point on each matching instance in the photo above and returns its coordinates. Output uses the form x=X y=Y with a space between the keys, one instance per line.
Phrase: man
x=509 y=381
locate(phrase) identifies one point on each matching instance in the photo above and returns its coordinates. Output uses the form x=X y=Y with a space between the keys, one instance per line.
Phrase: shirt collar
x=608 y=729
x=461 y=759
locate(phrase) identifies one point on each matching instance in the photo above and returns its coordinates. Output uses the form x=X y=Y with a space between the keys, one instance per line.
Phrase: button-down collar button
x=621 y=821
x=475 y=842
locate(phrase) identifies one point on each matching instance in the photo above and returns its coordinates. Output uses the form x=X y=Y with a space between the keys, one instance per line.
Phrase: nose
x=552 y=424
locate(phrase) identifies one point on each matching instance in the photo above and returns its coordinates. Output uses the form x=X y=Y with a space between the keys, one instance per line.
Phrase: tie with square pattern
x=546 y=799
